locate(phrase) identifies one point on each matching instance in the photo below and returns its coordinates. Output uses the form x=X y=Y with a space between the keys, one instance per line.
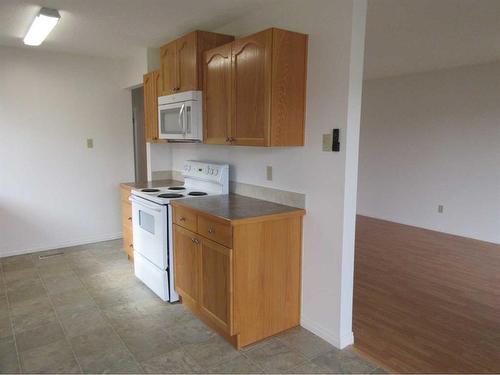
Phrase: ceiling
x=117 y=28
x=407 y=36
x=403 y=36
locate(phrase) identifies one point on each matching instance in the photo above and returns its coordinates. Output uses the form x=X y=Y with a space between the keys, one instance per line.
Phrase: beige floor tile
x=146 y=343
x=5 y=326
x=275 y=357
x=211 y=352
x=82 y=321
x=192 y=332
x=25 y=293
x=65 y=283
x=73 y=300
x=343 y=361
x=237 y=365
x=8 y=356
x=174 y=362
x=55 y=357
x=305 y=342
x=39 y=336
x=32 y=314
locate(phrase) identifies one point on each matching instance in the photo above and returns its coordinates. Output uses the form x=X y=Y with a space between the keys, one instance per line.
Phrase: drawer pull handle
x=131 y=245
x=129 y=218
x=211 y=230
x=194 y=240
x=182 y=218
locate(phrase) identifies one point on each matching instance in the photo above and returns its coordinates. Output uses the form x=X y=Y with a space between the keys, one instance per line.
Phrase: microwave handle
x=181 y=119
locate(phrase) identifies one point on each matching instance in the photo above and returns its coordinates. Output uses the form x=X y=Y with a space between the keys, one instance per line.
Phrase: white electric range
x=152 y=223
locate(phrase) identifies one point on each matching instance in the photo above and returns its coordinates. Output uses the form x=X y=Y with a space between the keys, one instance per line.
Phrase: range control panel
x=206 y=171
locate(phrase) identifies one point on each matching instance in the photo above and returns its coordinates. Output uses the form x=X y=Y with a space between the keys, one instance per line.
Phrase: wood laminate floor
x=426 y=301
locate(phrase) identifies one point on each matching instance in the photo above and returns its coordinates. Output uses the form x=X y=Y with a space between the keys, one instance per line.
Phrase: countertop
x=151 y=184
x=235 y=207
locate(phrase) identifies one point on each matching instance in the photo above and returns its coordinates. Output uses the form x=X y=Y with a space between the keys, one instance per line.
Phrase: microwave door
x=171 y=121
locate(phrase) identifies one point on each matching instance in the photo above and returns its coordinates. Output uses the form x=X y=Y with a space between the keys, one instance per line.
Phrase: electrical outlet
x=269 y=173
x=90 y=143
x=440 y=208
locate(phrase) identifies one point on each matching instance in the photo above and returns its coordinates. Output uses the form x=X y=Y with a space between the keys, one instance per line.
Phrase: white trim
x=325 y=334
x=59 y=245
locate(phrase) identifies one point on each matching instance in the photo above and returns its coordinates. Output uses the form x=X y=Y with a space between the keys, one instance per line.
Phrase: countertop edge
x=296 y=211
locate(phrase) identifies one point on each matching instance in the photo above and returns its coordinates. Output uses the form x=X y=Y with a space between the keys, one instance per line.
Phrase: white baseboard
x=325 y=334
x=59 y=245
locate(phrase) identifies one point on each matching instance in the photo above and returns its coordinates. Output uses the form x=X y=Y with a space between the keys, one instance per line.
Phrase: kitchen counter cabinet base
x=246 y=292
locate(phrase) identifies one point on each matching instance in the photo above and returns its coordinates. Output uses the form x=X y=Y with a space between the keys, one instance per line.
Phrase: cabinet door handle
x=194 y=240
x=129 y=218
x=211 y=230
x=228 y=139
x=182 y=218
x=131 y=245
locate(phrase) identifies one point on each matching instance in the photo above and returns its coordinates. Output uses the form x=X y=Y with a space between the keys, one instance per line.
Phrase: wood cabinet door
x=186 y=263
x=168 y=67
x=187 y=73
x=217 y=94
x=151 y=92
x=251 y=76
x=216 y=290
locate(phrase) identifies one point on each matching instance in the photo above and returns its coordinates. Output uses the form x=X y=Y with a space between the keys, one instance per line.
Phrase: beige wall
x=433 y=139
x=54 y=192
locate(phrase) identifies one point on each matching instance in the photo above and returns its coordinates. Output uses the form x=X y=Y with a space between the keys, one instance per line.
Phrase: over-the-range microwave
x=180 y=117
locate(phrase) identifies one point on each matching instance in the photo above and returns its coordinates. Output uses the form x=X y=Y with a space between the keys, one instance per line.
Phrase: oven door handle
x=144 y=204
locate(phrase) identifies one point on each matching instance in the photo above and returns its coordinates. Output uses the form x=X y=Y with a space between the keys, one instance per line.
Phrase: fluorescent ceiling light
x=42 y=25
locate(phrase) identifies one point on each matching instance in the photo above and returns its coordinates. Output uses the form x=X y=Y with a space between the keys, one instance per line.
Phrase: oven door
x=178 y=121
x=149 y=227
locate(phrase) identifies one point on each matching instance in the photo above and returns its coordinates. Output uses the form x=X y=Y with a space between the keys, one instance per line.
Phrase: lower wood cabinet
x=245 y=292
x=128 y=246
x=186 y=268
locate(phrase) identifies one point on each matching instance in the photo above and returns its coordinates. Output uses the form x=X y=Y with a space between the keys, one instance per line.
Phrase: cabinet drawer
x=185 y=218
x=216 y=231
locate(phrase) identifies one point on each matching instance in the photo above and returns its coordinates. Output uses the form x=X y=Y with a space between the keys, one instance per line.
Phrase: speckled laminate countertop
x=151 y=184
x=235 y=207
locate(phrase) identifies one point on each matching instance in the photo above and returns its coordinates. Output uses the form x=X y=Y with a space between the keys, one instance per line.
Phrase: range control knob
x=215 y=171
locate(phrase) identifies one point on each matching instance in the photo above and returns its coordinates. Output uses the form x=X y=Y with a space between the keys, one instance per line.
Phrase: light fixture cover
x=42 y=25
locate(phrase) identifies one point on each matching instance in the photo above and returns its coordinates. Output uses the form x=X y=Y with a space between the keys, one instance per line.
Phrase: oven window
x=171 y=121
x=147 y=222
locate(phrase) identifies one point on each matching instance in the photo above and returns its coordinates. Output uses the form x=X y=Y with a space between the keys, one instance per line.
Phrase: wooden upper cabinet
x=168 y=68
x=217 y=94
x=180 y=60
x=187 y=74
x=152 y=89
x=251 y=71
x=267 y=92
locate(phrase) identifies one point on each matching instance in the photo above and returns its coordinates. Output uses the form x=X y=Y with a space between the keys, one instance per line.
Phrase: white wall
x=430 y=139
x=53 y=190
x=334 y=78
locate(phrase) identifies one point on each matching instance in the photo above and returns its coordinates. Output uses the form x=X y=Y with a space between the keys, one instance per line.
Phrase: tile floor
x=84 y=311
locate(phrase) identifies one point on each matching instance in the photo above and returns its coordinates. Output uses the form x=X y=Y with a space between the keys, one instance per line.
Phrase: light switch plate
x=327 y=142
x=90 y=143
x=269 y=173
